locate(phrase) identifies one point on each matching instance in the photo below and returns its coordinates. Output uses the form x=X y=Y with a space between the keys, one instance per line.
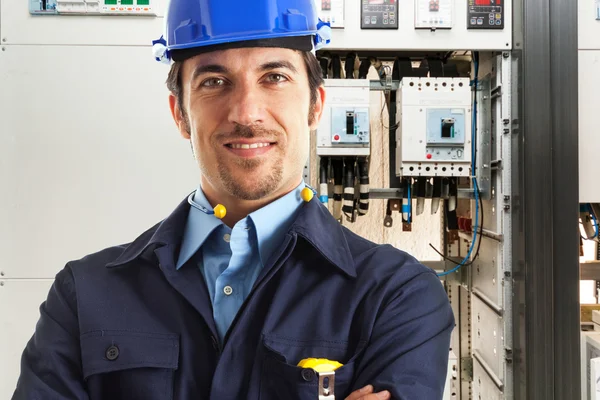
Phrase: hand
x=366 y=393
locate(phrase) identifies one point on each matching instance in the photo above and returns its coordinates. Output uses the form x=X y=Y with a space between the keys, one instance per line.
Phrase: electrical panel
x=433 y=14
x=590 y=352
x=434 y=127
x=344 y=128
x=332 y=12
x=485 y=14
x=379 y=14
x=92 y=7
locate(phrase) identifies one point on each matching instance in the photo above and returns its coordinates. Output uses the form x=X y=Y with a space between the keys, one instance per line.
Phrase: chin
x=251 y=188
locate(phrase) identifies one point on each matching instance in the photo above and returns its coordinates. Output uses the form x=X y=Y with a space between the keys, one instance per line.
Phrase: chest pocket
x=129 y=365
x=282 y=379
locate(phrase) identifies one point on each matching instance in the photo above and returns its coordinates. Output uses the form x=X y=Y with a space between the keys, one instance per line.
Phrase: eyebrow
x=278 y=64
x=209 y=68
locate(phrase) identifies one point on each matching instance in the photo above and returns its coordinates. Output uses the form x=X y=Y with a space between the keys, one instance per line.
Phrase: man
x=249 y=276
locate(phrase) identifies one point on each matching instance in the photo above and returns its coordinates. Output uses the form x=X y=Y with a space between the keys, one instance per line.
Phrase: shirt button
x=112 y=353
x=227 y=290
x=308 y=374
x=227 y=237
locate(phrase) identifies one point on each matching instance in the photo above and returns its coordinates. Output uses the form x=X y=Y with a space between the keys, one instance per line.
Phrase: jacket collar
x=168 y=232
x=314 y=224
x=318 y=227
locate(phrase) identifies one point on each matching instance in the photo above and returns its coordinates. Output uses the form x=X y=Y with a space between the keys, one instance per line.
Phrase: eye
x=213 y=82
x=276 y=78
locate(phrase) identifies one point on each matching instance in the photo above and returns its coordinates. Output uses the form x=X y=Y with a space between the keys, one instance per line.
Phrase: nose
x=247 y=106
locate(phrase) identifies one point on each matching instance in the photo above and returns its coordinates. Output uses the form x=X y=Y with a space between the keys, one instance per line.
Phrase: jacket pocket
x=129 y=365
x=281 y=378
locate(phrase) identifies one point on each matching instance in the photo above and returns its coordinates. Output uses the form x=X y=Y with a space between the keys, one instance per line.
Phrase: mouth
x=250 y=149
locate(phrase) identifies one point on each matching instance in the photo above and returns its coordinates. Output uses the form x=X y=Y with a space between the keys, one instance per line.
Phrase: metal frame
x=545 y=229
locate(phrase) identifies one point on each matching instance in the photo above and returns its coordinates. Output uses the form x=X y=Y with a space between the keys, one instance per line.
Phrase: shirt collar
x=313 y=223
x=197 y=229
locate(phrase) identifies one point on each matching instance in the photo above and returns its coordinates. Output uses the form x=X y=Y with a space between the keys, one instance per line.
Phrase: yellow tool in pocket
x=325 y=369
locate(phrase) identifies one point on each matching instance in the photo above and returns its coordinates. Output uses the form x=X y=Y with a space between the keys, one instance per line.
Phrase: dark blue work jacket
x=124 y=324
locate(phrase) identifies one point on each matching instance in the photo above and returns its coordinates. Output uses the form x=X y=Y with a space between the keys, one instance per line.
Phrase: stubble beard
x=266 y=184
x=234 y=176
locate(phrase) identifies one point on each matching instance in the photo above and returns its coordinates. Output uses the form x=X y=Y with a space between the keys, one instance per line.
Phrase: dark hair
x=313 y=69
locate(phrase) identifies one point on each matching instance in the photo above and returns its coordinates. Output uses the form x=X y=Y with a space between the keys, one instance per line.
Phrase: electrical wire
x=478 y=242
x=476 y=192
x=393 y=127
x=595 y=220
x=468 y=256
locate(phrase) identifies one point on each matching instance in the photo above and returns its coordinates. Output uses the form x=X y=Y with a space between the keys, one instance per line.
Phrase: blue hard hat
x=193 y=24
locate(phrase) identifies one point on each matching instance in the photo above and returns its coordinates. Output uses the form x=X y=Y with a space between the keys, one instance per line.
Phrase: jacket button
x=112 y=353
x=308 y=374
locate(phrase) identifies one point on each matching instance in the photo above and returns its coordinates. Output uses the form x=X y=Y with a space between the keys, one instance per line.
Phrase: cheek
x=205 y=119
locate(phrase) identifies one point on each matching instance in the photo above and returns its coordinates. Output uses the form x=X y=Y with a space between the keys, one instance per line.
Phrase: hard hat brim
x=301 y=43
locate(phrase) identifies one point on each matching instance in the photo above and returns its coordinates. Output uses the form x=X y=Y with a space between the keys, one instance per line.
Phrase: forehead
x=246 y=59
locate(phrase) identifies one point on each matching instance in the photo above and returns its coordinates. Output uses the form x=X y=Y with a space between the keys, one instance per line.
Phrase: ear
x=318 y=109
x=181 y=123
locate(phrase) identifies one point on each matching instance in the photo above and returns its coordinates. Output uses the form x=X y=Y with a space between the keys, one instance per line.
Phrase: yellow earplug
x=220 y=211
x=307 y=194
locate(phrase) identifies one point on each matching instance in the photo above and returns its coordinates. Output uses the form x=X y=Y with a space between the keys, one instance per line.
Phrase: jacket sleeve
x=51 y=363
x=410 y=342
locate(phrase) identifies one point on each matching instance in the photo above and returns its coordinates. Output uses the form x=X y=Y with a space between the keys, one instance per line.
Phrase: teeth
x=248 y=146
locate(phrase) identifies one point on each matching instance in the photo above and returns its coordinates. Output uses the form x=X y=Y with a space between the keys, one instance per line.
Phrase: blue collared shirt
x=231 y=259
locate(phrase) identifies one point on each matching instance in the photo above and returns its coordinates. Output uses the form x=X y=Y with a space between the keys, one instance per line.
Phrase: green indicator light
x=143 y=2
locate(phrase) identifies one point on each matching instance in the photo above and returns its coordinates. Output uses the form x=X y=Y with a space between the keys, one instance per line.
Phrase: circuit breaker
x=344 y=128
x=434 y=127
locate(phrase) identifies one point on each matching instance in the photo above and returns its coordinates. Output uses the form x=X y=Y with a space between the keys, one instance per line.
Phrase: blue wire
x=475 y=228
x=473 y=178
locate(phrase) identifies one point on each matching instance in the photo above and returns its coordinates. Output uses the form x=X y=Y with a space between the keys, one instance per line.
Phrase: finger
x=358 y=394
x=385 y=395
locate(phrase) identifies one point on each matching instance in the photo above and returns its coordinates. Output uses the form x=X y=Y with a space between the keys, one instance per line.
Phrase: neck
x=238 y=209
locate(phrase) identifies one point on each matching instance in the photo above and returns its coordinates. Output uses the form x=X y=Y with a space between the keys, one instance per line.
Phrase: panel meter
x=485 y=14
x=434 y=128
x=344 y=128
x=379 y=14
x=433 y=14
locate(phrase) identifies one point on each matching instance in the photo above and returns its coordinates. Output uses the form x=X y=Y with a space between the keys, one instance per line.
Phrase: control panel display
x=379 y=14
x=485 y=14
x=433 y=14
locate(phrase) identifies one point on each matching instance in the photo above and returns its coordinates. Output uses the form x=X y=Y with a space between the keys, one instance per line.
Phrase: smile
x=247 y=146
